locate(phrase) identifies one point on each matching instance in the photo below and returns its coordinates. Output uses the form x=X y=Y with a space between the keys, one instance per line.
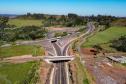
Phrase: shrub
x=120 y=44
x=24 y=33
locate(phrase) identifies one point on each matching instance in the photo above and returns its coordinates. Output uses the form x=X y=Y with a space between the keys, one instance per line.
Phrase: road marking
x=54 y=50
x=67 y=46
x=60 y=73
x=67 y=73
x=51 y=77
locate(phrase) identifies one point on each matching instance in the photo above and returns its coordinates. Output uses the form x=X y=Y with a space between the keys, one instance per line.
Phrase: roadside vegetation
x=18 y=50
x=79 y=73
x=23 y=33
x=18 y=73
x=124 y=64
x=119 y=65
x=60 y=34
x=82 y=30
x=119 y=44
x=32 y=76
x=105 y=38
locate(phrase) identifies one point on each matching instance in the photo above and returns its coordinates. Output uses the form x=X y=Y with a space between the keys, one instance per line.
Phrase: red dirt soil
x=44 y=70
x=102 y=70
x=88 y=51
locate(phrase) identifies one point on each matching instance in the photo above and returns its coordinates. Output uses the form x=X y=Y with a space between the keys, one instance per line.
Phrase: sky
x=80 y=7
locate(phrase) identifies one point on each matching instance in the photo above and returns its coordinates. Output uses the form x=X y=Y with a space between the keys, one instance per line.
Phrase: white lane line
x=54 y=50
x=51 y=77
x=54 y=69
x=60 y=73
x=67 y=73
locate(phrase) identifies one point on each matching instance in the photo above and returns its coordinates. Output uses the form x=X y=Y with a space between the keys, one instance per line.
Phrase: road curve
x=59 y=76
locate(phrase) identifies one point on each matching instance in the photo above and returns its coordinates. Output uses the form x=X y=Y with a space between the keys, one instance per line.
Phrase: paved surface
x=61 y=47
x=59 y=73
x=65 y=40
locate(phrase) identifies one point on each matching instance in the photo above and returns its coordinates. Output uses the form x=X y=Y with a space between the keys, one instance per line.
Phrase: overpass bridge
x=50 y=59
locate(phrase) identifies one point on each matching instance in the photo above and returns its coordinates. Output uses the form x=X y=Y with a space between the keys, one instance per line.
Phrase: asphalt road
x=59 y=73
x=59 y=76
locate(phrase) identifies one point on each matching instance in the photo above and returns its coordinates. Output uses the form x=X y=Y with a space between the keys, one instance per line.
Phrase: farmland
x=21 y=50
x=24 y=22
x=105 y=36
x=14 y=73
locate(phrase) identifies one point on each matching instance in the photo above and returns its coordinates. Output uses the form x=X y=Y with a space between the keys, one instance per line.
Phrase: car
x=58 y=37
x=53 y=41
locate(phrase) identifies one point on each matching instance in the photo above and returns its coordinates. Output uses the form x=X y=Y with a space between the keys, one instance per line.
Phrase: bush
x=33 y=76
x=31 y=32
x=60 y=34
x=120 y=44
x=23 y=33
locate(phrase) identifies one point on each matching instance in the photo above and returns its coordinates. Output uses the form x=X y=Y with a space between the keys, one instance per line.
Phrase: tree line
x=70 y=20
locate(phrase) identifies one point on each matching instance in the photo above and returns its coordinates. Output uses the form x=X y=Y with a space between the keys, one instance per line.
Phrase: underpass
x=60 y=73
x=59 y=76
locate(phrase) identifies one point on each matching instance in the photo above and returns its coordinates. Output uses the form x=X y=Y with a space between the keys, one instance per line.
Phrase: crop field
x=24 y=22
x=21 y=50
x=105 y=36
x=14 y=73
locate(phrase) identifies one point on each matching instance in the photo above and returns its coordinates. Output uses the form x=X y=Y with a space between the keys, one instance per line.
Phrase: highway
x=60 y=74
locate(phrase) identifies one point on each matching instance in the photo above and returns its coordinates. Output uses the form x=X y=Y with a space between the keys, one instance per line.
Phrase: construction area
x=105 y=68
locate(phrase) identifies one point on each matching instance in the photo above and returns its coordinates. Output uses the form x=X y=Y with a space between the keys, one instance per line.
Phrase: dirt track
x=21 y=59
x=103 y=71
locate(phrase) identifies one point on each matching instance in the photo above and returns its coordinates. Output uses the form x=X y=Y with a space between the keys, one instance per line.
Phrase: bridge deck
x=58 y=58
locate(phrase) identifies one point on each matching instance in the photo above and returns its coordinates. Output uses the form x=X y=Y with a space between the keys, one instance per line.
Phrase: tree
x=31 y=32
x=98 y=48
x=72 y=16
x=119 y=44
x=3 y=22
x=24 y=33
x=28 y=14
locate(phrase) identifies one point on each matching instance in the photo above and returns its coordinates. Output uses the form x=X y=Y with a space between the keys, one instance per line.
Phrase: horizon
x=63 y=7
x=59 y=14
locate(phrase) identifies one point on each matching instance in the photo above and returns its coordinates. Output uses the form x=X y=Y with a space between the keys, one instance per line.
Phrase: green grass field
x=14 y=73
x=25 y=22
x=21 y=50
x=105 y=36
